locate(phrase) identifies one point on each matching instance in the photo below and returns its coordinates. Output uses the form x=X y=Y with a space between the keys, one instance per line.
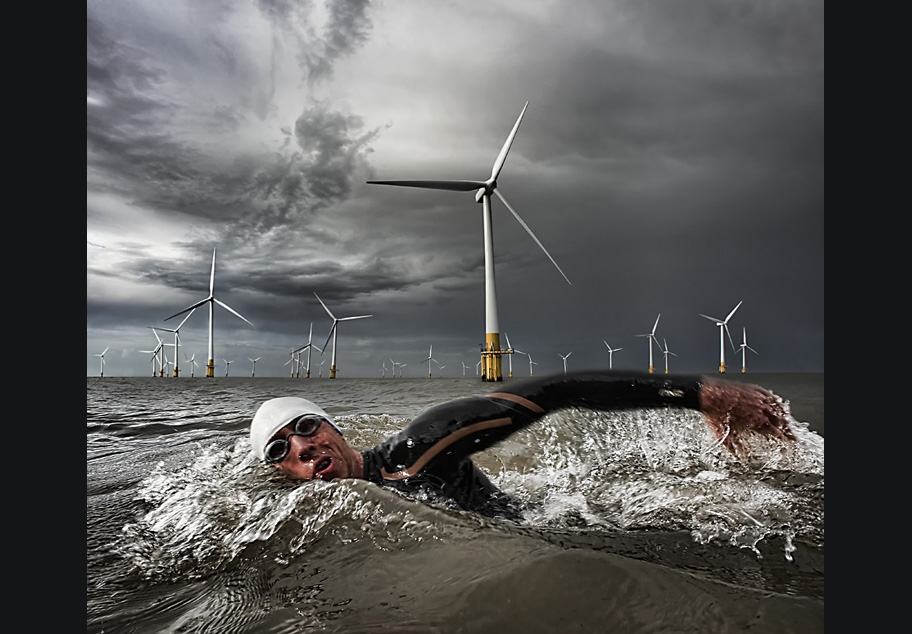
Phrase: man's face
x=324 y=455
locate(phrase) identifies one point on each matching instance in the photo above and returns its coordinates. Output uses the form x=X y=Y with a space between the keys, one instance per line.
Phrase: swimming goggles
x=306 y=425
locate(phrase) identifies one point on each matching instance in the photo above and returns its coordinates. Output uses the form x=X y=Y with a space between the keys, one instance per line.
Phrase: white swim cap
x=274 y=414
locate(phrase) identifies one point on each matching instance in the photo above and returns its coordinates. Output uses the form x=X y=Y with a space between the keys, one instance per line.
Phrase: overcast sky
x=670 y=161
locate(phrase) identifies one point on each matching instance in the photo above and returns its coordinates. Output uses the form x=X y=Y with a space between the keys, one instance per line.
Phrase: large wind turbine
x=723 y=326
x=611 y=352
x=744 y=348
x=667 y=352
x=212 y=301
x=652 y=340
x=102 y=362
x=333 y=332
x=176 y=332
x=491 y=356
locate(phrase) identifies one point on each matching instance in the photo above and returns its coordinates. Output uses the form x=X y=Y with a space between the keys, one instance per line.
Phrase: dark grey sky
x=670 y=160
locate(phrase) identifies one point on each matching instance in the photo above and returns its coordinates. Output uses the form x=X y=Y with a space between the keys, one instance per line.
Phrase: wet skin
x=324 y=455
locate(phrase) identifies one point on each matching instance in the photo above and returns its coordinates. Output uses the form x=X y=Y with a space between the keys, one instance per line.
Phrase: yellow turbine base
x=650 y=370
x=307 y=374
x=210 y=368
x=743 y=369
x=722 y=367
x=332 y=372
x=491 y=368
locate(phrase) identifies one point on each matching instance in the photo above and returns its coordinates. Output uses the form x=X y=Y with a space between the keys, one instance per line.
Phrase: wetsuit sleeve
x=446 y=434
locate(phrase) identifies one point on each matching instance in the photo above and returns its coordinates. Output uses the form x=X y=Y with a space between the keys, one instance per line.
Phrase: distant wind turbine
x=723 y=326
x=308 y=346
x=652 y=340
x=154 y=358
x=510 y=352
x=333 y=333
x=491 y=356
x=464 y=367
x=565 y=360
x=227 y=363
x=176 y=332
x=322 y=361
x=193 y=364
x=430 y=358
x=101 y=361
x=611 y=352
x=531 y=363
x=212 y=301
x=253 y=370
x=667 y=352
x=744 y=348
x=161 y=353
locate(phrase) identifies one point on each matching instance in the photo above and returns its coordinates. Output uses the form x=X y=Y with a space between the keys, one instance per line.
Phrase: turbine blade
x=350 y=318
x=230 y=309
x=711 y=318
x=529 y=231
x=453 y=186
x=185 y=319
x=326 y=309
x=656 y=325
x=733 y=311
x=193 y=307
x=331 y=330
x=212 y=274
x=730 y=338
x=502 y=157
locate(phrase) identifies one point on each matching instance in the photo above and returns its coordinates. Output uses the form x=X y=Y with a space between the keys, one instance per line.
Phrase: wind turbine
x=309 y=346
x=333 y=332
x=154 y=358
x=667 y=352
x=464 y=367
x=383 y=370
x=176 y=332
x=227 y=363
x=723 y=326
x=611 y=352
x=477 y=365
x=565 y=360
x=430 y=358
x=253 y=371
x=652 y=340
x=322 y=361
x=101 y=362
x=531 y=362
x=509 y=352
x=293 y=361
x=744 y=348
x=491 y=356
x=160 y=348
x=193 y=364
x=212 y=301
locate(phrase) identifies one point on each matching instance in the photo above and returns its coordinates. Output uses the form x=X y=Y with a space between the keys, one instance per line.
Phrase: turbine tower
x=491 y=355
x=212 y=301
x=333 y=332
x=611 y=352
x=308 y=346
x=652 y=340
x=723 y=330
x=744 y=348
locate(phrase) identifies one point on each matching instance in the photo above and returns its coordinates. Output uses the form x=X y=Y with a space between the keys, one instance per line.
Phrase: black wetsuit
x=432 y=454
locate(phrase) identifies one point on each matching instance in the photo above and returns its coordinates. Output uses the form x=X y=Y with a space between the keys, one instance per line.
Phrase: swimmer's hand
x=735 y=410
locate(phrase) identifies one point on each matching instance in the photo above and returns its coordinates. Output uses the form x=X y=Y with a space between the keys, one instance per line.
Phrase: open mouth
x=323 y=465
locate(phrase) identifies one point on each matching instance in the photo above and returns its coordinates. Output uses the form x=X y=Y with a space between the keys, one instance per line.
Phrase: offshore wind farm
x=636 y=147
